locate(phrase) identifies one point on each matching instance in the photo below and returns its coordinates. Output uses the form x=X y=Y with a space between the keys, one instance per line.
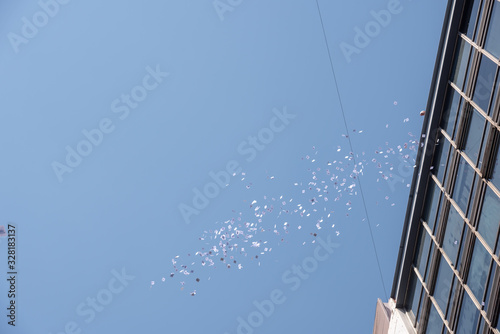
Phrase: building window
x=492 y=44
x=468 y=318
x=470 y=18
x=498 y=247
x=440 y=158
x=478 y=271
x=460 y=64
x=484 y=83
x=450 y=111
x=444 y=281
x=453 y=235
x=490 y=283
x=431 y=204
x=488 y=221
x=434 y=323
x=422 y=251
x=463 y=184
x=474 y=137
x=427 y=270
x=413 y=296
x=495 y=177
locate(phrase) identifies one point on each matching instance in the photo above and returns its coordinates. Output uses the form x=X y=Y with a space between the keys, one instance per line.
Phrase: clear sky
x=115 y=114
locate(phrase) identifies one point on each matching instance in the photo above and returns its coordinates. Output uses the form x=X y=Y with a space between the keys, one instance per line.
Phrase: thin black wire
x=350 y=145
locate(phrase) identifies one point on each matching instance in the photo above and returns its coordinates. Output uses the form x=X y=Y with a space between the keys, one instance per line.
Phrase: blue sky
x=103 y=226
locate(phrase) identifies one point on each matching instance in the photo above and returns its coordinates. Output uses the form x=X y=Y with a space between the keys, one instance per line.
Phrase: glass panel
x=484 y=83
x=481 y=325
x=467 y=321
x=474 y=136
x=498 y=247
x=489 y=218
x=450 y=111
x=459 y=115
x=495 y=97
x=440 y=157
x=431 y=203
x=438 y=217
x=478 y=271
x=419 y=315
x=495 y=178
x=434 y=324
x=467 y=76
x=469 y=20
x=461 y=246
x=452 y=302
x=492 y=43
x=453 y=234
x=479 y=20
x=463 y=184
x=414 y=291
x=473 y=194
x=460 y=63
x=431 y=253
x=490 y=285
x=443 y=284
x=422 y=250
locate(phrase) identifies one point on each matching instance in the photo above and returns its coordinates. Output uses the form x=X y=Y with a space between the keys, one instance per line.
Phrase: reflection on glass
x=489 y=218
x=495 y=97
x=467 y=322
x=414 y=293
x=431 y=254
x=438 y=217
x=422 y=250
x=443 y=284
x=495 y=178
x=490 y=285
x=478 y=271
x=421 y=303
x=452 y=303
x=460 y=63
x=492 y=43
x=461 y=245
x=474 y=190
x=484 y=83
x=474 y=136
x=431 y=203
x=469 y=20
x=434 y=324
x=498 y=247
x=463 y=184
x=440 y=156
x=481 y=325
x=453 y=234
x=450 y=110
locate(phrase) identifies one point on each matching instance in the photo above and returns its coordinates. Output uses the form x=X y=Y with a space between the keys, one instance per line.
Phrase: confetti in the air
x=320 y=202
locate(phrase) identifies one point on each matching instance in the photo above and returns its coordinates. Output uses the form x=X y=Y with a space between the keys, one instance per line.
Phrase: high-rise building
x=447 y=277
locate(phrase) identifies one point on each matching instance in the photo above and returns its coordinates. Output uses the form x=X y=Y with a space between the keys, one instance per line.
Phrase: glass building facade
x=447 y=277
